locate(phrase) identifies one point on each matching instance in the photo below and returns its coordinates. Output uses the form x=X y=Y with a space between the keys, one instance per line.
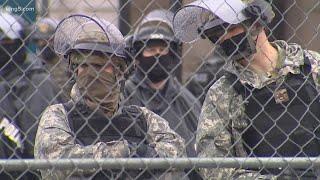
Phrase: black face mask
x=47 y=53
x=239 y=46
x=157 y=70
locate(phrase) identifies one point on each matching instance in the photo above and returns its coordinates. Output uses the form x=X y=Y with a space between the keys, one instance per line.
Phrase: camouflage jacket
x=54 y=139
x=223 y=117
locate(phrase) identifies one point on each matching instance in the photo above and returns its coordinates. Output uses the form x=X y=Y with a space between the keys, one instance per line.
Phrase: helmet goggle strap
x=252 y=27
x=252 y=30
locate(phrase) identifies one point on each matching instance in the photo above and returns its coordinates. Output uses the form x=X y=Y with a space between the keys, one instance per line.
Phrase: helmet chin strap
x=252 y=48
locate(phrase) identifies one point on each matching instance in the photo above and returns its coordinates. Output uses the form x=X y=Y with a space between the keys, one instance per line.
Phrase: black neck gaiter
x=157 y=68
x=238 y=47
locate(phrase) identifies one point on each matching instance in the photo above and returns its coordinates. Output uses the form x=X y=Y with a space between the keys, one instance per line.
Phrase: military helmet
x=93 y=40
x=80 y=32
x=191 y=20
x=157 y=25
x=45 y=28
x=83 y=33
x=154 y=33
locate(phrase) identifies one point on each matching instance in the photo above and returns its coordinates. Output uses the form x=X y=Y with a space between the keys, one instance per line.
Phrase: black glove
x=142 y=150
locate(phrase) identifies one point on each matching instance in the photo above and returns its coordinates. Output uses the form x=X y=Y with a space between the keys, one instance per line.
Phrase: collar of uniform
x=293 y=57
x=249 y=77
x=289 y=60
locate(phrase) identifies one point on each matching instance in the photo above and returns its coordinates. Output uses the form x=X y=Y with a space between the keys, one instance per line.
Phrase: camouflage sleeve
x=314 y=59
x=55 y=140
x=215 y=136
x=166 y=142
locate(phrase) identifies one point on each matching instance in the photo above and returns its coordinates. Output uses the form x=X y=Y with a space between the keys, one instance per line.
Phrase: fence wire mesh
x=80 y=100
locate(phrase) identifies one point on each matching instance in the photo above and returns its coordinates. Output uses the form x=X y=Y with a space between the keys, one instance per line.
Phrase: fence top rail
x=157 y=163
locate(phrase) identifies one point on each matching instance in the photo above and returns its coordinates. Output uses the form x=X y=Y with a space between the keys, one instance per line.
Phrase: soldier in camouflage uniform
x=266 y=104
x=94 y=124
x=55 y=65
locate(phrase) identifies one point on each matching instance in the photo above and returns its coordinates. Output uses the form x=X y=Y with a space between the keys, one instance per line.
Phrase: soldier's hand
x=142 y=150
x=119 y=148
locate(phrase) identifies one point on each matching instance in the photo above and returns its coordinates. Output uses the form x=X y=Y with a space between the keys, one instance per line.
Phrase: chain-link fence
x=129 y=89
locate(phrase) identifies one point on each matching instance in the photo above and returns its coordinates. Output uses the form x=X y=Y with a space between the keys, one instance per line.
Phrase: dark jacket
x=25 y=92
x=205 y=76
x=174 y=103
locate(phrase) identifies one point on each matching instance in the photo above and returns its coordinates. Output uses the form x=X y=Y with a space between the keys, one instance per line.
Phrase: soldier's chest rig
x=284 y=118
x=90 y=127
